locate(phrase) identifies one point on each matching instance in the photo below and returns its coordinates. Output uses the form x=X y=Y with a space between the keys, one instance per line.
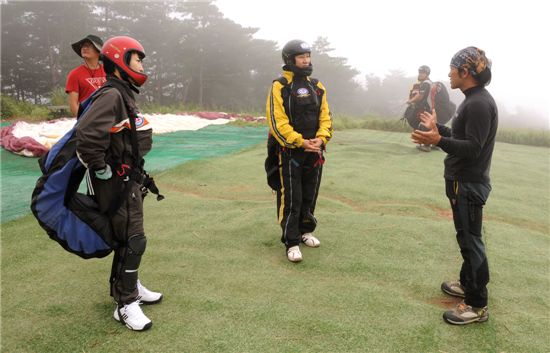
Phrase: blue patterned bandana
x=472 y=59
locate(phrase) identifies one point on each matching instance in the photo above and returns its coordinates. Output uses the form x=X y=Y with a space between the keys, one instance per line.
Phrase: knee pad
x=137 y=244
x=126 y=264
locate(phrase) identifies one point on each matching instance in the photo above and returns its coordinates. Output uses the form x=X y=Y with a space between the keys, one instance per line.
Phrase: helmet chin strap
x=299 y=71
x=125 y=77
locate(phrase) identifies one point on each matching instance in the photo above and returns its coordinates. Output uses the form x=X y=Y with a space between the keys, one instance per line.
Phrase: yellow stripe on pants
x=282 y=207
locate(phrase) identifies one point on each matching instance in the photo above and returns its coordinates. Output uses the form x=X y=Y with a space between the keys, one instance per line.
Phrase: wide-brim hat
x=95 y=40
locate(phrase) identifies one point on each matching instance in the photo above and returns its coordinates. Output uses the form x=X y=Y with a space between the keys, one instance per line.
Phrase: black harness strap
x=135 y=173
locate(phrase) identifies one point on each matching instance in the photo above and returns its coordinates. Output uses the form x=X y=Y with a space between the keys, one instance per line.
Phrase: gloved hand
x=105 y=173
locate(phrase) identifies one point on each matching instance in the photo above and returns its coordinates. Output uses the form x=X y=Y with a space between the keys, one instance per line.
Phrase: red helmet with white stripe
x=119 y=50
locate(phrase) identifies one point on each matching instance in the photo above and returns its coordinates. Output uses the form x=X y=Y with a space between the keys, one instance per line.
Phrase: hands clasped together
x=313 y=145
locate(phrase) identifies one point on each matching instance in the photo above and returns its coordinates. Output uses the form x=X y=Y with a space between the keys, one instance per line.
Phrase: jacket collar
x=289 y=75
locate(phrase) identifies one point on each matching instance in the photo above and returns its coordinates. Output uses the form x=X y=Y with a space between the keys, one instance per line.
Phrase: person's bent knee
x=137 y=244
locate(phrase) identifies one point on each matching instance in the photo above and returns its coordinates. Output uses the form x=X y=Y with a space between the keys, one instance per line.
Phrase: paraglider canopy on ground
x=34 y=140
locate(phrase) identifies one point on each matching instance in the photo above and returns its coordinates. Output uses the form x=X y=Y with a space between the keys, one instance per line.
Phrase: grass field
x=373 y=285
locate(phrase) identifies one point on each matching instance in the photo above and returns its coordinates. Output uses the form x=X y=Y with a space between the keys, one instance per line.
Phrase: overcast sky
x=394 y=34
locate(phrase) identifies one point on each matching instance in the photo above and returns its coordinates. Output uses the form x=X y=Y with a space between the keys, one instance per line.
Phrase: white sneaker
x=294 y=254
x=310 y=240
x=132 y=316
x=145 y=296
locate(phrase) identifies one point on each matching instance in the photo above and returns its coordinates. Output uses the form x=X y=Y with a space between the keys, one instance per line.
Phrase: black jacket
x=103 y=132
x=471 y=140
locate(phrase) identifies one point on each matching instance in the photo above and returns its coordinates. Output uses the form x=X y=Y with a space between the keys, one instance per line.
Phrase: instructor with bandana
x=469 y=145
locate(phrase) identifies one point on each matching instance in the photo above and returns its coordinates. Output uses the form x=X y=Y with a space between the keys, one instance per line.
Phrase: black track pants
x=127 y=223
x=467 y=200
x=300 y=174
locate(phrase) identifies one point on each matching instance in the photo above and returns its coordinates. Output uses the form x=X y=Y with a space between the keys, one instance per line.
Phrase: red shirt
x=85 y=81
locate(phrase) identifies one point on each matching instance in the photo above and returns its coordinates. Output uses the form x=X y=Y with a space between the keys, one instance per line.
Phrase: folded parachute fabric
x=34 y=140
x=25 y=146
x=165 y=123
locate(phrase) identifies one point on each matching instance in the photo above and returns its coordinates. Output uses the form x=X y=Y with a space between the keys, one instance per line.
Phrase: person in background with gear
x=469 y=145
x=105 y=144
x=300 y=122
x=86 y=78
x=418 y=97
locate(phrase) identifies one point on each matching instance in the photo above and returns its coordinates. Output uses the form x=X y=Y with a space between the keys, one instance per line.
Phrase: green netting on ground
x=176 y=148
x=19 y=174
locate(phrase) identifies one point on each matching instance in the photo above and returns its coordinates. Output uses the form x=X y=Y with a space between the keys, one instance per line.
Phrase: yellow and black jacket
x=297 y=109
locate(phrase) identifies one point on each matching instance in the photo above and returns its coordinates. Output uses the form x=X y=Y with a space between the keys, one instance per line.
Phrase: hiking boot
x=145 y=296
x=132 y=316
x=464 y=314
x=453 y=288
x=310 y=240
x=294 y=254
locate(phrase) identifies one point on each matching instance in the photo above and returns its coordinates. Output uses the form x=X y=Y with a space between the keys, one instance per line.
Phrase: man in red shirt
x=86 y=78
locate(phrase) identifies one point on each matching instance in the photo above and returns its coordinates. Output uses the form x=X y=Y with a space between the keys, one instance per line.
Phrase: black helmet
x=424 y=68
x=293 y=48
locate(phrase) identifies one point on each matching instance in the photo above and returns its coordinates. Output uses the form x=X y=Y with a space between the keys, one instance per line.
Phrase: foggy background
x=223 y=55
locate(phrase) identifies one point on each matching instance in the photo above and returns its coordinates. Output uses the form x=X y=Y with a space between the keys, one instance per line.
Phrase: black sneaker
x=464 y=314
x=453 y=288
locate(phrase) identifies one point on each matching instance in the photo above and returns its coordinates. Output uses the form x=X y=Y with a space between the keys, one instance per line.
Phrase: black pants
x=127 y=224
x=300 y=174
x=467 y=200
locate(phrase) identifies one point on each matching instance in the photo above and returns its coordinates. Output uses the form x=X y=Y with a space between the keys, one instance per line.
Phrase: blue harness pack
x=69 y=217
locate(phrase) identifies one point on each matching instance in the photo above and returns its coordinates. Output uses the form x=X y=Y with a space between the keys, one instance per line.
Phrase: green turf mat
x=19 y=174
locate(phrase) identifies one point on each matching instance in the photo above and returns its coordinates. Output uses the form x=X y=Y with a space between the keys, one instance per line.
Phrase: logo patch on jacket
x=302 y=92
x=139 y=121
x=141 y=124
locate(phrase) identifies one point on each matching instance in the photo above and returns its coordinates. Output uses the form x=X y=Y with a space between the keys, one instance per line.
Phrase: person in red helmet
x=111 y=141
x=83 y=80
